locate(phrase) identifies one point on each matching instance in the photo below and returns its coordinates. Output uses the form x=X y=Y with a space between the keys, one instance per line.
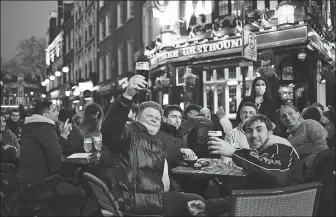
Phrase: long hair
x=267 y=94
x=93 y=114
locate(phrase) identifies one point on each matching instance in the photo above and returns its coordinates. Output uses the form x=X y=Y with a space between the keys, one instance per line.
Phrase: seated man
x=173 y=136
x=268 y=164
x=136 y=167
x=41 y=158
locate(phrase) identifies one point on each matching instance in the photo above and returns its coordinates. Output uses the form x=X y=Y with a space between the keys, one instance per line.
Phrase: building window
x=108 y=24
x=101 y=69
x=287 y=73
x=86 y=71
x=120 y=60
x=120 y=14
x=130 y=11
x=232 y=98
x=130 y=55
x=232 y=73
x=90 y=31
x=101 y=3
x=101 y=30
x=223 y=7
x=108 y=66
x=90 y=67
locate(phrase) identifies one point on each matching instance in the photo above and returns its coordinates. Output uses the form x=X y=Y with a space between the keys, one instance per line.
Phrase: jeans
x=176 y=203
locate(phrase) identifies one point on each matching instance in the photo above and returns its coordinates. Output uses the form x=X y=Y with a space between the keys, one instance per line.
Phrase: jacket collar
x=38 y=119
x=170 y=129
x=141 y=127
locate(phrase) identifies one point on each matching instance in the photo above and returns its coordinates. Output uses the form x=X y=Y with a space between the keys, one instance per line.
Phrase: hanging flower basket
x=165 y=82
x=190 y=80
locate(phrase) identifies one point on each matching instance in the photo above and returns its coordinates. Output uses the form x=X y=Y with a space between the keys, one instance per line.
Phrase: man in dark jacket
x=268 y=164
x=137 y=170
x=41 y=157
x=173 y=136
x=198 y=137
x=189 y=113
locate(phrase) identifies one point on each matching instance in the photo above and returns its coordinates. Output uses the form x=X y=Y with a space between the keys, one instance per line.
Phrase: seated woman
x=308 y=137
x=10 y=148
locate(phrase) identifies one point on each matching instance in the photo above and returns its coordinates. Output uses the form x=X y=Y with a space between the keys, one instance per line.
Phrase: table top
x=81 y=161
x=214 y=169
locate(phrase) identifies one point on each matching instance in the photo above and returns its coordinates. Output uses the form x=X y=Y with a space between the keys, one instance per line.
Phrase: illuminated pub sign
x=197 y=49
x=54 y=49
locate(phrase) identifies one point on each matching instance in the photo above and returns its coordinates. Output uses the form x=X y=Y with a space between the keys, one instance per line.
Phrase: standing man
x=135 y=160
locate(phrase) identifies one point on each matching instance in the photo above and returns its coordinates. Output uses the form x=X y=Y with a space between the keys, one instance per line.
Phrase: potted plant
x=162 y=81
x=190 y=78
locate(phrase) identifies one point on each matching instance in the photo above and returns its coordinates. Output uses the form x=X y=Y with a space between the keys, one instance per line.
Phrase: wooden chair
x=109 y=206
x=300 y=200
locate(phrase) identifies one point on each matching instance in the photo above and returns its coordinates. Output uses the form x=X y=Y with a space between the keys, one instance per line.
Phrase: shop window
x=232 y=98
x=121 y=60
x=209 y=74
x=287 y=73
x=232 y=73
x=221 y=95
x=180 y=71
x=220 y=74
x=210 y=96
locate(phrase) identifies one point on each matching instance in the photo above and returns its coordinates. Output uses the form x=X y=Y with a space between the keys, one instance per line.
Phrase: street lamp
x=43 y=83
x=65 y=69
x=167 y=37
x=47 y=81
x=52 y=77
x=285 y=12
x=57 y=73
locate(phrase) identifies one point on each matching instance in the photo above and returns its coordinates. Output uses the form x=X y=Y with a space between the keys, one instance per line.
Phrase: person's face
x=151 y=119
x=192 y=113
x=289 y=117
x=52 y=113
x=3 y=123
x=260 y=87
x=257 y=134
x=15 y=116
x=246 y=112
x=174 y=118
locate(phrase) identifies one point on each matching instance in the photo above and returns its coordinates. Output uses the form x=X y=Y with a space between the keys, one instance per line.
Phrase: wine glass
x=87 y=145
x=97 y=140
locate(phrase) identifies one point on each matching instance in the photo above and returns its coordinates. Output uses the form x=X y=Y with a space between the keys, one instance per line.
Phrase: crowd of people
x=277 y=146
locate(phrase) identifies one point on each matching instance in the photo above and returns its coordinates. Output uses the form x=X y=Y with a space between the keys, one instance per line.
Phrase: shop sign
x=249 y=50
x=197 y=49
x=320 y=45
x=105 y=87
x=54 y=94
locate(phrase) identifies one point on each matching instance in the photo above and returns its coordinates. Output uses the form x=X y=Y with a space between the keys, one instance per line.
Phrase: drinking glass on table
x=97 y=141
x=87 y=146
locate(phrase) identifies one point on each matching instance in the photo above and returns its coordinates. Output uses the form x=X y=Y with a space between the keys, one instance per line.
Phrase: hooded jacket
x=134 y=163
x=41 y=152
x=274 y=165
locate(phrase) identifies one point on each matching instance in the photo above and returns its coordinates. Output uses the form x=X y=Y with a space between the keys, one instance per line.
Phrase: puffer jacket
x=134 y=164
x=198 y=137
x=173 y=140
x=40 y=155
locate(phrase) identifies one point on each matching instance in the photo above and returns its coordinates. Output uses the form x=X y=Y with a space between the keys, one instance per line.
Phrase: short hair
x=192 y=107
x=170 y=108
x=287 y=106
x=258 y=117
x=41 y=106
x=313 y=113
x=319 y=105
x=150 y=104
x=65 y=114
x=250 y=104
x=14 y=110
x=92 y=110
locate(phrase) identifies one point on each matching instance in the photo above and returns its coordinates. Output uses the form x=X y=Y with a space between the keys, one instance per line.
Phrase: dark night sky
x=21 y=20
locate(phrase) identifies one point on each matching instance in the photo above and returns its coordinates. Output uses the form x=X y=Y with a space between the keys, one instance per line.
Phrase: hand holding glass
x=98 y=144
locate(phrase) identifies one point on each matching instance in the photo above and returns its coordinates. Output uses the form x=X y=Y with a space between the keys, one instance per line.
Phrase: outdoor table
x=211 y=171
x=81 y=162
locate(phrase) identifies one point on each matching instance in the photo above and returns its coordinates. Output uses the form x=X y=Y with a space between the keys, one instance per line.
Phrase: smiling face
x=246 y=112
x=151 y=119
x=257 y=134
x=15 y=116
x=289 y=117
x=260 y=88
x=3 y=123
x=174 y=118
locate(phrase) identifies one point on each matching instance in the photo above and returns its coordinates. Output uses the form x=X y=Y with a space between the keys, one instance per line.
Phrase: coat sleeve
x=73 y=144
x=318 y=135
x=274 y=164
x=52 y=150
x=16 y=144
x=115 y=135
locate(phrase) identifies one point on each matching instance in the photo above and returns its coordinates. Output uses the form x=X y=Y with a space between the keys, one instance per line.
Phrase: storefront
x=217 y=65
